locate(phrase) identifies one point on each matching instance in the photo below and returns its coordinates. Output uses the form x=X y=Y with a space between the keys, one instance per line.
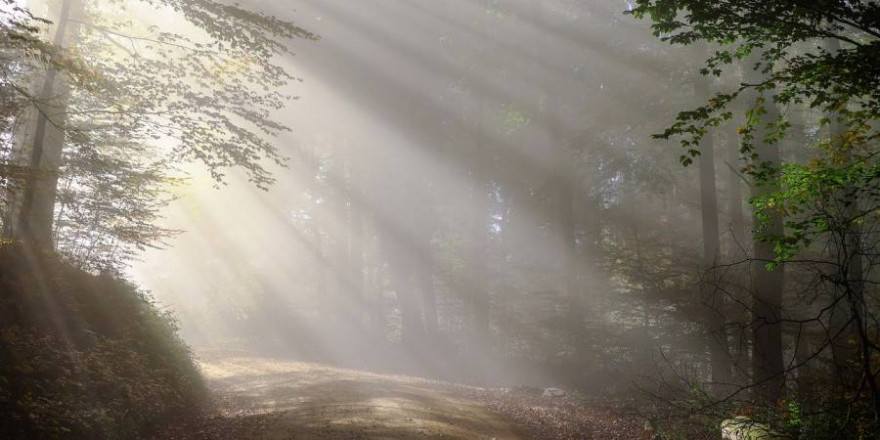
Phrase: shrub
x=86 y=356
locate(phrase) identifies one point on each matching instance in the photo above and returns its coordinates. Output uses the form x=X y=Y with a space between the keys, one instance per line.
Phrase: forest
x=458 y=219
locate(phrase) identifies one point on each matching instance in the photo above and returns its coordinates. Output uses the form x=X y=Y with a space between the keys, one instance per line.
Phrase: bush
x=86 y=356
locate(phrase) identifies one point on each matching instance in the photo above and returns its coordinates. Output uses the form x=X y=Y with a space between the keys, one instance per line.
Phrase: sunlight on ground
x=308 y=401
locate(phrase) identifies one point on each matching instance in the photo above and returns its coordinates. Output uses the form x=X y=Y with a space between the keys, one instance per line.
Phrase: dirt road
x=275 y=400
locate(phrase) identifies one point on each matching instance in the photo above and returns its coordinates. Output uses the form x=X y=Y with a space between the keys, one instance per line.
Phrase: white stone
x=743 y=428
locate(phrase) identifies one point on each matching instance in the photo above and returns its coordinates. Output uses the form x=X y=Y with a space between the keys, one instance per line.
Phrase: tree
x=716 y=315
x=148 y=98
x=816 y=215
x=36 y=209
x=768 y=371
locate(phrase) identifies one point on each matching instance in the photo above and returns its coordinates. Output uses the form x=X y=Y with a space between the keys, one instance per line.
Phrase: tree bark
x=477 y=292
x=850 y=303
x=767 y=285
x=36 y=211
x=739 y=310
x=716 y=313
x=356 y=215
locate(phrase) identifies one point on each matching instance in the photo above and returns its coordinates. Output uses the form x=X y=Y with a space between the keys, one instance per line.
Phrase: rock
x=743 y=428
x=553 y=392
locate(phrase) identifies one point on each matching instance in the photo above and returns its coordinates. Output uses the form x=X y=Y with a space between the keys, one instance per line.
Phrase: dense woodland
x=665 y=206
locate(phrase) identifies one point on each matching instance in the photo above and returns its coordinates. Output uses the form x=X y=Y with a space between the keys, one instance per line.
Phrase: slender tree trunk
x=850 y=308
x=740 y=308
x=323 y=273
x=767 y=362
x=767 y=285
x=477 y=299
x=356 y=214
x=716 y=313
x=378 y=316
x=806 y=379
x=565 y=200
x=507 y=251
x=402 y=256
x=429 y=296
x=562 y=184
x=647 y=356
x=402 y=278
x=342 y=306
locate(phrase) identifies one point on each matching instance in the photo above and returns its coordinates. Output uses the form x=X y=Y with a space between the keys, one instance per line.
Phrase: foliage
x=825 y=57
x=779 y=40
x=142 y=100
x=86 y=356
x=819 y=200
x=212 y=93
x=108 y=209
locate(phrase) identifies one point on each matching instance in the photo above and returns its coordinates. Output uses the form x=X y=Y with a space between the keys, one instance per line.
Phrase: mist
x=453 y=173
x=395 y=219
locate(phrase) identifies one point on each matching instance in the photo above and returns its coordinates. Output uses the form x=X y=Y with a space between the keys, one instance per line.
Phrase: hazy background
x=472 y=193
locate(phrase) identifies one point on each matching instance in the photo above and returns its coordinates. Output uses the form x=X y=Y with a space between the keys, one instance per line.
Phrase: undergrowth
x=86 y=356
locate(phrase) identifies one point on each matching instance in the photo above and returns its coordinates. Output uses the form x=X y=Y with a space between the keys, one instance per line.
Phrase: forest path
x=279 y=400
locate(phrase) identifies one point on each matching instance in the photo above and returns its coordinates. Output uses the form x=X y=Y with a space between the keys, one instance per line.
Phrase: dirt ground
x=267 y=399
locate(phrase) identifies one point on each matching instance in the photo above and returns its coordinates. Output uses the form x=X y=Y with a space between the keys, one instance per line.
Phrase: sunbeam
x=467 y=219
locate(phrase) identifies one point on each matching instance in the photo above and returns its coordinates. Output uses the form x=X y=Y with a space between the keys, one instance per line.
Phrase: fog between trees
x=472 y=187
x=490 y=192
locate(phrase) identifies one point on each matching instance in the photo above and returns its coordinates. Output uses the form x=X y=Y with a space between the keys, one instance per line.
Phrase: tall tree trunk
x=356 y=215
x=476 y=277
x=740 y=313
x=322 y=260
x=767 y=285
x=401 y=254
x=562 y=183
x=849 y=309
x=342 y=307
x=566 y=224
x=37 y=206
x=716 y=313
